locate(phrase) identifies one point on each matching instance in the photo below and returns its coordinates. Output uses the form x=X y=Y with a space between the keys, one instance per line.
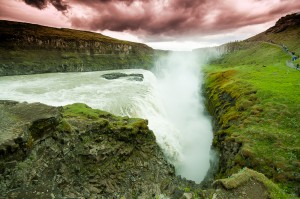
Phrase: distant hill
x=285 y=31
x=28 y=48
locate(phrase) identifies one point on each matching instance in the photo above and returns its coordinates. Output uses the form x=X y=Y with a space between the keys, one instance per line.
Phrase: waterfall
x=174 y=110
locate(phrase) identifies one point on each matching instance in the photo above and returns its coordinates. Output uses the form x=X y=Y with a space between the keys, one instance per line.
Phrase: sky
x=161 y=24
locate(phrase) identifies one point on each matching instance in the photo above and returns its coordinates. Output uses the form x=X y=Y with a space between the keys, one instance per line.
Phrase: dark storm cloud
x=169 y=18
x=150 y=17
x=41 y=4
x=176 y=17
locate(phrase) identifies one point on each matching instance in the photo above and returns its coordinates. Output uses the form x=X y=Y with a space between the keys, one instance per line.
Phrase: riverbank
x=254 y=98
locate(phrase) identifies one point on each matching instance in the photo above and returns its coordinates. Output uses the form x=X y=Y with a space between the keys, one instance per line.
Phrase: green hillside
x=28 y=49
x=255 y=98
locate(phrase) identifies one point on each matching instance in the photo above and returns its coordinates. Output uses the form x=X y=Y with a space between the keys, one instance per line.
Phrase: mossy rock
x=88 y=151
x=246 y=178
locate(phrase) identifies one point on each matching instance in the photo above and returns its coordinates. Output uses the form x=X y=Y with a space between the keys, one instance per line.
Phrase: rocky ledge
x=78 y=152
x=132 y=77
x=288 y=21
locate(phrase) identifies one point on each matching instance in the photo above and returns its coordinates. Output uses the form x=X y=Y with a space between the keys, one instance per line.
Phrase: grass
x=259 y=54
x=290 y=38
x=264 y=114
x=83 y=111
x=297 y=61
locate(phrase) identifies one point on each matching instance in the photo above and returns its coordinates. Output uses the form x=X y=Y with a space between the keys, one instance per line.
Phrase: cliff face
x=78 y=152
x=27 y=49
x=288 y=21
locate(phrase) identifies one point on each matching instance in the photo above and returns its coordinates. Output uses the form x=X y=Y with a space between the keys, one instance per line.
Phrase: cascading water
x=119 y=96
x=179 y=83
x=171 y=103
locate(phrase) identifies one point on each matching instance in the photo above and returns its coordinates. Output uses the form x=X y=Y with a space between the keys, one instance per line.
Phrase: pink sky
x=164 y=24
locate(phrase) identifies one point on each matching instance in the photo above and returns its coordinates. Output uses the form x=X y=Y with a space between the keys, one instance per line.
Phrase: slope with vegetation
x=28 y=49
x=255 y=100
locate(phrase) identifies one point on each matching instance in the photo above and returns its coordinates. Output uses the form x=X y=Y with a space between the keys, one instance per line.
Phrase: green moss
x=64 y=126
x=187 y=189
x=30 y=142
x=81 y=110
x=123 y=127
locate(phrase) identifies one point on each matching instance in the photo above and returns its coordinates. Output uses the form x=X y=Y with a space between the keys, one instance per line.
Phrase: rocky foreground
x=79 y=152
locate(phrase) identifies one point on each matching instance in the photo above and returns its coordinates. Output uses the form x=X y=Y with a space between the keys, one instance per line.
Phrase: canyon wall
x=29 y=49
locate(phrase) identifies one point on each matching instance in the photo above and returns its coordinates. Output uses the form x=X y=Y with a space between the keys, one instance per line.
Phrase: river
x=169 y=98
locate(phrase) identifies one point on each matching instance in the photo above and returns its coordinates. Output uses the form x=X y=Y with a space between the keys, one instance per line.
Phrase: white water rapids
x=169 y=100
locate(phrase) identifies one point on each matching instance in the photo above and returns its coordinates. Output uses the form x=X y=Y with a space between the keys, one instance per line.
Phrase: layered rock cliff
x=28 y=49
